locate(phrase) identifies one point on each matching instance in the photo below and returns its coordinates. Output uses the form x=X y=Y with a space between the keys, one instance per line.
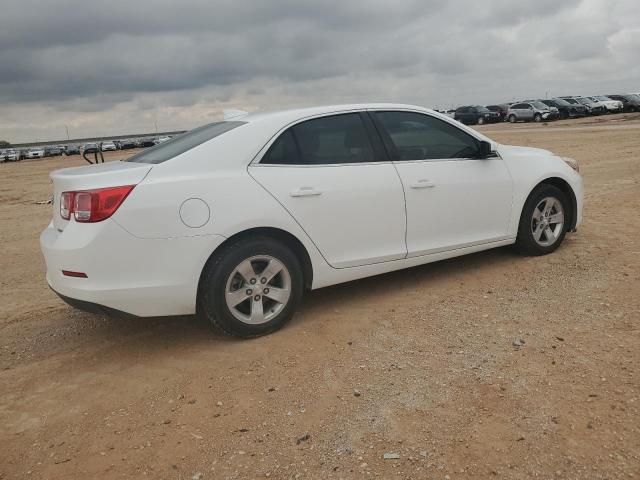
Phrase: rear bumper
x=94 y=307
x=125 y=274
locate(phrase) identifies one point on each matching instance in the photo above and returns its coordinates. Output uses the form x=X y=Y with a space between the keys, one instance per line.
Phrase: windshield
x=482 y=109
x=540 y=105
x=182 y=143
x=571 y=101
x=560 y=102
x=584 y=101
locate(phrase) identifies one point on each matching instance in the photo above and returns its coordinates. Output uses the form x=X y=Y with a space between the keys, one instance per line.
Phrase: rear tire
x=537 y=118
x=251 y=288
x=480 y=121
x=543 y=222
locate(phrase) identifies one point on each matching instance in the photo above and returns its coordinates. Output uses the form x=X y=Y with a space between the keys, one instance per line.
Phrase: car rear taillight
x=89 y=206
x=66 y=205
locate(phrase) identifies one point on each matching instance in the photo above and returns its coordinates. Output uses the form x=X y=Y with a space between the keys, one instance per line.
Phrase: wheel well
x=568 y=191
x=283 y=236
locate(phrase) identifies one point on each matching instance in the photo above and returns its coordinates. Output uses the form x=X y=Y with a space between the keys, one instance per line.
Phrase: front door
x=453 y=198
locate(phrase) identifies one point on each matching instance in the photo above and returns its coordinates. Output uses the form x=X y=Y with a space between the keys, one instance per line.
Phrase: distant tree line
x=4 y=144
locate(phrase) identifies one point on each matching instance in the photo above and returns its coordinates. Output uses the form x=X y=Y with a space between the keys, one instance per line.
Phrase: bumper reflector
x=69 y=273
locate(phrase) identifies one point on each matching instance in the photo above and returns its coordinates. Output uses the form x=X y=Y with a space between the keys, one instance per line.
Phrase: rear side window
x=182 y=143
x=323 y=141
x=421 y=137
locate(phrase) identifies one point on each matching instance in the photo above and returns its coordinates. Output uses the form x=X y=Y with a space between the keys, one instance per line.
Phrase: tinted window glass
x=422 y=137
x=283 y=151
x=182 y=143
x=323 y=141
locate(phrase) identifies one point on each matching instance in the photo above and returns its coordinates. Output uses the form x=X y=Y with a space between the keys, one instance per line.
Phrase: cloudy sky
x=122 y=66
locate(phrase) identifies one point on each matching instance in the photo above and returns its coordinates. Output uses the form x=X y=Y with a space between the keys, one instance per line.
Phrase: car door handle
x=423 y=183
x=305 y=192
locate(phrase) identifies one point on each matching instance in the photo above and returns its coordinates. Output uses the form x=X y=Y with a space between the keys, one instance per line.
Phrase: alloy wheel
x=547 y=221
x=258 y=289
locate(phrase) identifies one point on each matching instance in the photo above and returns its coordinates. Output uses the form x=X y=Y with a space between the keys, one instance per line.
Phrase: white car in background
x=612 y=106
x=9 y=155
x=108 y=147
x=236 y=219
x=35 y=153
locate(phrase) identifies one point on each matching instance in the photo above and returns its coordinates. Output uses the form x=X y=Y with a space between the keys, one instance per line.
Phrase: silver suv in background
x=529 y=112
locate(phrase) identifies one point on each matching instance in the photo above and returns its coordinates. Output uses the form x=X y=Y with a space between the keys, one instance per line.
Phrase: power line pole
x=67 y=129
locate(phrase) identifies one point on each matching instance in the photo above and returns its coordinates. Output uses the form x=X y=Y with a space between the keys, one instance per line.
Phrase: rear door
x=332 y=175
x=453 y=198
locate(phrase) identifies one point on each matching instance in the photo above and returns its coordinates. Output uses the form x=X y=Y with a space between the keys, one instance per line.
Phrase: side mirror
x=484 y=149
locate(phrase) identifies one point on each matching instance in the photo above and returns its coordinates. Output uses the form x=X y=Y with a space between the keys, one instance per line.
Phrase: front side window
x=323 y=141
x=416 y=136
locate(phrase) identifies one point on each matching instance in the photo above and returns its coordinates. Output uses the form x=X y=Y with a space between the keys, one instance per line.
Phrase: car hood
x=528 y=152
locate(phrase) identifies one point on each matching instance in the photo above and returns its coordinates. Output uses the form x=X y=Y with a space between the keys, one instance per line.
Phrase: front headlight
x=572 y=162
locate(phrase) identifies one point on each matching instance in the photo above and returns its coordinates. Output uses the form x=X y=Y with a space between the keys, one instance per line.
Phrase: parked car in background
x=91 y=148
x=555 y=113
x=10 y=155
x=597 y=107
x=72 y=150
x=630 y=102
x=161 y=140
x=146 y=142
x=475 y=114
x=529 y=112
x=575 y=103
x=35 y=153
x=127 y=144
x=612 y=106
x=500 y=109
x=52 y=151
x=289 y=228
x=22 y=153
x=108 y=146
x=566 y=109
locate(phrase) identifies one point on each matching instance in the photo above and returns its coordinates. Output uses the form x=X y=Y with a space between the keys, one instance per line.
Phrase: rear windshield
x=181 y=143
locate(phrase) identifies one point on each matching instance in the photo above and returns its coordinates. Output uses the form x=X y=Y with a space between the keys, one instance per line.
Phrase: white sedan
x=35 y=153
x=236 y=219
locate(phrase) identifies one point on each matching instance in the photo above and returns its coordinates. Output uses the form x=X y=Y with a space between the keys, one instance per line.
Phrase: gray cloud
x=120 y=65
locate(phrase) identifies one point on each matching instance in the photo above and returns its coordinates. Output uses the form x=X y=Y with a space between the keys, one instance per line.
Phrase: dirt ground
x=419 y=363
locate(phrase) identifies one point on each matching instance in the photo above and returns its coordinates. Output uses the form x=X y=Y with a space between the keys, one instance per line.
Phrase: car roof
x=292 y=115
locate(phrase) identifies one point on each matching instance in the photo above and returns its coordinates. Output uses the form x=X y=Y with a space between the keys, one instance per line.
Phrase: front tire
x=537 y=118
x=251 y=288
x=480 y=121
x=512 y=118
x=543 y=223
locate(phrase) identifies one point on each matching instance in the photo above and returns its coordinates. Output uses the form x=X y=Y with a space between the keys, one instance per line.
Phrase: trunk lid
x=110 y=174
